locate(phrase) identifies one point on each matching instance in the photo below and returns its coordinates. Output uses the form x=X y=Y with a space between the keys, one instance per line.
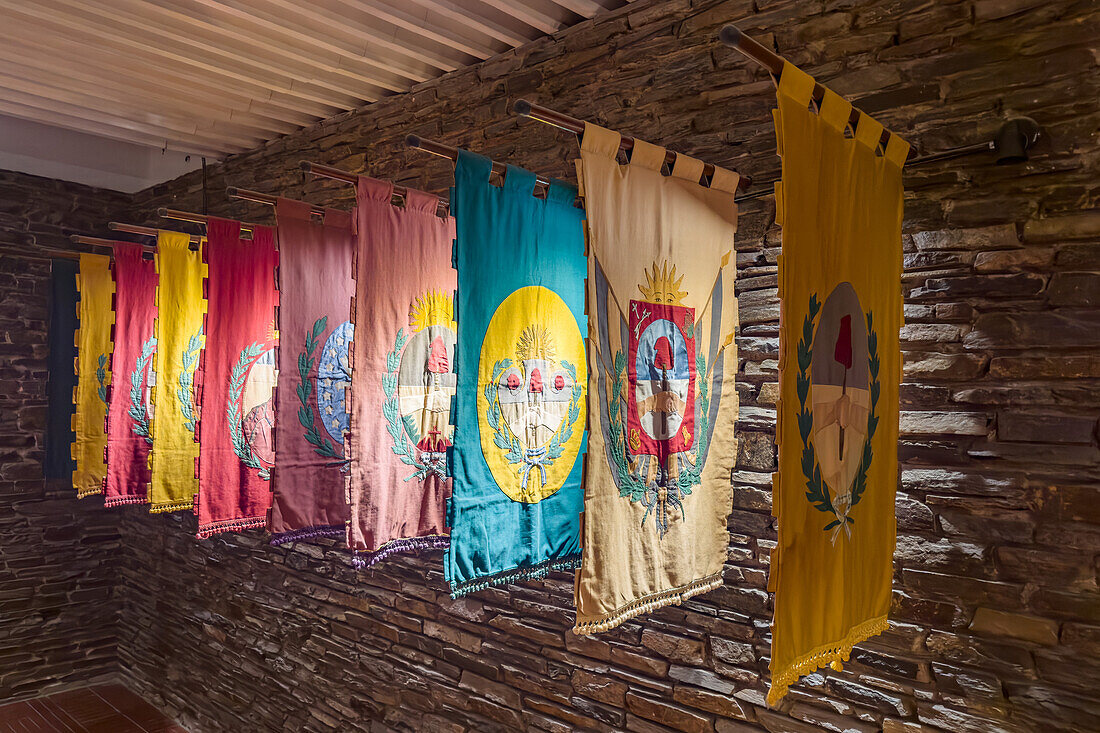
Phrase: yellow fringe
x=652 y=602
x=823 y=656
x=174 y=506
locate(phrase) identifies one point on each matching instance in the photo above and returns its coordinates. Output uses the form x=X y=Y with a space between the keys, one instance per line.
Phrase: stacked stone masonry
x=995 y=624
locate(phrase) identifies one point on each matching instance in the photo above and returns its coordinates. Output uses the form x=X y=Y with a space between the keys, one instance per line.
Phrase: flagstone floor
x=100 y=709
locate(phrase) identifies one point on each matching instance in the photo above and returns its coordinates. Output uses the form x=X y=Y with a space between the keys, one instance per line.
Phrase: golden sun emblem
x=434 y=308
x=662 y=285
x=535 y=342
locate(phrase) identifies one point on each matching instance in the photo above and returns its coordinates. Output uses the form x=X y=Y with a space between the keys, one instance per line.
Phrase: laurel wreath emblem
x=237 y=379
x=399 y=426
x=322 y=446
x=101 y=377
x=817 y=493
x=503 y=438
x=189 y=360
x=138 y=411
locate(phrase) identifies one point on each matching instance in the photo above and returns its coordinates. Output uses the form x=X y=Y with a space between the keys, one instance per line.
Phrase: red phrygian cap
x=663 y=360
x=437 y=360
x=536 y=381
x=843 y=351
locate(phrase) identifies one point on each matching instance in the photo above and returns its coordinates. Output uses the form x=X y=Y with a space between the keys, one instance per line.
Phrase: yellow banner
x=840 y=207
x=179 y=332
x=93 y=370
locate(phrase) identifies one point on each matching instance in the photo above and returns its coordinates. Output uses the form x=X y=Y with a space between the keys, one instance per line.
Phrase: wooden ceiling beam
x=123 y=94
x=175 y=119
x=113 y=132
x=421 y=25
x=144 y=22
x=167 y=129
x=583 y=8
x=490 y=23
x=543 y=16
x=291 y=15
x=266 y=38
x=139 y=48
x=102 y=61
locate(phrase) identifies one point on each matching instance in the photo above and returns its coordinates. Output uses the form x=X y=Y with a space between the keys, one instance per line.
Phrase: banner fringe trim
x=527 y=572
x=673 y=596
x=823 y=656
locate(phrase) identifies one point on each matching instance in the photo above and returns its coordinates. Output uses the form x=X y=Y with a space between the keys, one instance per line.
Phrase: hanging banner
x=129 y=408
x=179 y=334
x=662 y=361
x=839 y=371
x=521 y=378
x=403 y=379
x=237 y=417
x=93 y=370
x=61 y=365
x=315 y=285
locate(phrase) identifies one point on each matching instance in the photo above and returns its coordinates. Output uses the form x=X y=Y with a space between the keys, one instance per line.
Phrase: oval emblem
x=532 y=379
x=839 y=391
x=333 y=379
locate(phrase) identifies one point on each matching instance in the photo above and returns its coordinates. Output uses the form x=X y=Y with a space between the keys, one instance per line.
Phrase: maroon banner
x=404 y=380
x=315 y=284
x=129 y=409
x=237 y=417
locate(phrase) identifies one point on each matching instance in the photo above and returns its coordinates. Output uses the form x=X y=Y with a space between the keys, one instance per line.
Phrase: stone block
x=929 y=422
x=1085 y=225
x=1037 y=427
x=995 y=623
x=674 y=716
x=1074 y=289
x=928 y=365
x=674 y=648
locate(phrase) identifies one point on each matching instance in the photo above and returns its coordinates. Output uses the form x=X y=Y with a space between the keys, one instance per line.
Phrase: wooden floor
x=101 y=709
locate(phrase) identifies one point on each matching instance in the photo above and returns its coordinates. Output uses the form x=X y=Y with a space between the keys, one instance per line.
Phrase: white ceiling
x=140 y=83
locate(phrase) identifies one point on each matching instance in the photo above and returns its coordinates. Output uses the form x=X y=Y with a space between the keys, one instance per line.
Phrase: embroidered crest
x=658 y=416
x=185 y=383
x=419 y=385
x=141 y=381
x=333 y=378
x=533 y=383
x=251 y=417
x=842 y=386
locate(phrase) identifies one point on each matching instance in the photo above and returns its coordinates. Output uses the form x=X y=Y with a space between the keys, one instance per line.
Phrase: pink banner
x=129 y=410
x=403 y=374
x=315 y=283
x=237 y=418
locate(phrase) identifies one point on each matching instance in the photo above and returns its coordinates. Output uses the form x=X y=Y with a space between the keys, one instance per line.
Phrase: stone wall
x=996 y=614
x=58 y=557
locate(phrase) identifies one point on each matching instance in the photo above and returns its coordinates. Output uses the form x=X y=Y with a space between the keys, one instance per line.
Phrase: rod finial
x=730 y=35
x=231 y=191
x=522 y=107
x=162 y=211
x=413 y=141
x=74 y=238
x=305 y=165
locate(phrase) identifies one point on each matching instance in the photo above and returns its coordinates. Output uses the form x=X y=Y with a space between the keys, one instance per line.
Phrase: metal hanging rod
x=98 y=242
x=563 y=121
x=400 y=193
x=264 y=198
x=115 y=226
x=198 y=219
